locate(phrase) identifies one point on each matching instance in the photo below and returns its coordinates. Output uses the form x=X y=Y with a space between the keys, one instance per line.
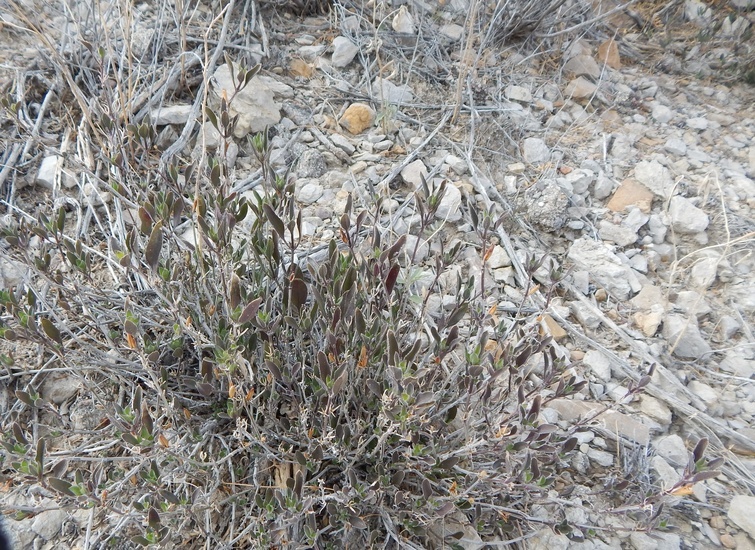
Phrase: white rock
x=691 y=302
x=666 y=473
x=604 y=266
x=452 y=31
x=344 y=52
x=498 y=258
x=673 y=450
x=388 y=92
x=683 y=335
x=622 y=236
x=685 y=216
x=413 y=172
x=676 y=146
x=697 y=123
x=602 y=458
x=47 y=171
x=59 y=387
x=310 y=53
x=599 y=364
x=342 y=143
x=309 y=193
x=703 y=272
x=535 y=151
x=655 y=409
x=705 y=392
x=655 y=177
x=635 y=219
x=697 y=12
x=450 y=205
x=603 y=186
x=661 y=113
x=658 y=541
x=585 y=315
x=255 y=103
x=518 y=93
x=172 y=114
x=48 y=524
x=741 y=512
x=403 y=22
x=456 y=164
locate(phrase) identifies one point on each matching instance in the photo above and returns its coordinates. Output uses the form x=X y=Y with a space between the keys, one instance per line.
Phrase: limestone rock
x=172 y=114
x=535 y=150
x=673 y=450
x=255 y=103
x=741 y=513
x=655 y=177
x=388 y=92
x=685 y=216
x=582 y=65
x=546 y=205
x=450 y=205
x=357 y=118
x=344 y=52
x=683 y=336
x=604 y=266
x=413 y=172
x=580 y=88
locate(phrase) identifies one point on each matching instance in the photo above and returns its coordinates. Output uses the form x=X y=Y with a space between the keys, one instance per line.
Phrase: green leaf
x=152 y=252
x=274 y=220
x=51 y=330
x=61 y=486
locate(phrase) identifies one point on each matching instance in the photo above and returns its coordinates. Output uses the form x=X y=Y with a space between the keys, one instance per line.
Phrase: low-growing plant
x=260 y=391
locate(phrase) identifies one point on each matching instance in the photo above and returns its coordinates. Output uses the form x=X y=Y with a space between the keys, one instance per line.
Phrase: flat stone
x=617 y=234
x=388 y=92
x=659 y=541
x=342 y=143
x=601 y=458
x=683 y=335
x=602 y=186
x=449 y=208
x=655 y=177
x=697 y=123
x=59 y=387
x=631 y=193
x=675 y=146
x=48 y=524
x=585 y=315
x=673 y=450
x=608 y=53
x=667 y=474
x=357 y=118
x=599 y=364
x=661 y=113
x=403 y=22
x=705 y=392
x=741 y=513
x=535 y=150
x=580 y=88
x=172 y=114
x=518 y=93
x=344 y=52
x=615 y=422
x=452 y=31
x=309 y=193
x=498 y=258
x=47 y=171
x=582 y=65
x=255 y=104
x=655 y=409
x=413 y=172
x=553 y=328
x=604 y=266
x=685 y=216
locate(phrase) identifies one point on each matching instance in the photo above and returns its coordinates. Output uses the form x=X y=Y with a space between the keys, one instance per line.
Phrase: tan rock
x=357 y=118
x=648 y=322
x=608 y=53
x=553 y=328
x=580 y=88
x=631 y=193
x=582 y=65
x=299 y=67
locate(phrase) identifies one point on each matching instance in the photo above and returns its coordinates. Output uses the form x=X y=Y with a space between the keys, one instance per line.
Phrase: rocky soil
x=638 y=179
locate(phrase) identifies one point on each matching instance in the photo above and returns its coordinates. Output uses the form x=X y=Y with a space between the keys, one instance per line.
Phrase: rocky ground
x=635 y=174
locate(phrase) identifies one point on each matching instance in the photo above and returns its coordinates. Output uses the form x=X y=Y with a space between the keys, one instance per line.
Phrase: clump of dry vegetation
x=251 y=388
